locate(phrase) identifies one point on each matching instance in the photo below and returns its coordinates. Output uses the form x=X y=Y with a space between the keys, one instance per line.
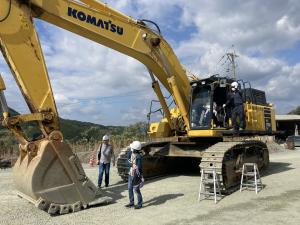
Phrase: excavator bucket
x=54 y=179
x=48 y=173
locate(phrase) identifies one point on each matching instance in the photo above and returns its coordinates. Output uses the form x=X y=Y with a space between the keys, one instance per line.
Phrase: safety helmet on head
x=234 y=84
x=105 y=138
x=136 y=145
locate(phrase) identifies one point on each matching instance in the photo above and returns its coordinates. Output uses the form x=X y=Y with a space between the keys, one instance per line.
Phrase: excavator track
x=153 y=165
x=228 y=158
x=122 y=164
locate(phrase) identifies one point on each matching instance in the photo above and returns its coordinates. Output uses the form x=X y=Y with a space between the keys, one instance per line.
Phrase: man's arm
x=129 y=163
x=139 y=163
x=229 y=98
x=113 y=158
x=241 y=94
x=99 y=152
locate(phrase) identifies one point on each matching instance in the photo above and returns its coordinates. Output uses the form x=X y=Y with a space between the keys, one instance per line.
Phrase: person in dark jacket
x=235 y=100
x=135 y=179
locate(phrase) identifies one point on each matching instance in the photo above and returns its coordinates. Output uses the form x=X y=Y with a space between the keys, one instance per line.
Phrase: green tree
x=295 y=111
x=136 y=131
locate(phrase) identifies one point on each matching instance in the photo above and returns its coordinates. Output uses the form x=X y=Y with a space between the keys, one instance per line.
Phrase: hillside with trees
x=295 y=111
x=82 y=136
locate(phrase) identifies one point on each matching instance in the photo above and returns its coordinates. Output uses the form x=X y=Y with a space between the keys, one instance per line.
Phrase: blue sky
x=290 y=55
x=103 y=86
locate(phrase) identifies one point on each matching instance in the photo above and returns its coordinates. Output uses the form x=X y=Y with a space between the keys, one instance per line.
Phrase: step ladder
x=209 y=185
x=250 y=178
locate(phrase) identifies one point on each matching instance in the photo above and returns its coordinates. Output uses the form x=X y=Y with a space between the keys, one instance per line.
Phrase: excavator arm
x=47 y=172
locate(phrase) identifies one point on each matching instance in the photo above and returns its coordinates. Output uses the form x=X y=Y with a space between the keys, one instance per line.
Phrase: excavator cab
x=207 y=99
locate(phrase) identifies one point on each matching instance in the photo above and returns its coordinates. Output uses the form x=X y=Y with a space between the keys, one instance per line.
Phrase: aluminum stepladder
x=209 y=185
x=250 y=177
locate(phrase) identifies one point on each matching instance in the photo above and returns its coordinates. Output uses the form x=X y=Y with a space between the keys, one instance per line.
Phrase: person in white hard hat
x=135 y=176
x=105 y=155
x=235 y=100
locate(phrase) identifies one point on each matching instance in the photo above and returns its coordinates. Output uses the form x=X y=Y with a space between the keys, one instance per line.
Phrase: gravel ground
x=173 y=200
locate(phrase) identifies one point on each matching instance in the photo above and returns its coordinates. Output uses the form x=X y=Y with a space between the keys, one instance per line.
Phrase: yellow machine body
x=255 y=122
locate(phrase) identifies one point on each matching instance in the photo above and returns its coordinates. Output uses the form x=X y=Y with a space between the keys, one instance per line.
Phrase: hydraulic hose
x=8 y=12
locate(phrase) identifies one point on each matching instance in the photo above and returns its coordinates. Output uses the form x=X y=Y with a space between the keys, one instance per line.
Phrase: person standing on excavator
x=235 y=100
x=105 y=155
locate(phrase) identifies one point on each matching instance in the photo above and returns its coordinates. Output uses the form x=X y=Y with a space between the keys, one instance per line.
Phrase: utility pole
x=231 y=57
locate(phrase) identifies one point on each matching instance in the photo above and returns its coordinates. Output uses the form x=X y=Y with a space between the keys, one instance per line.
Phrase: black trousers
x=238 y=112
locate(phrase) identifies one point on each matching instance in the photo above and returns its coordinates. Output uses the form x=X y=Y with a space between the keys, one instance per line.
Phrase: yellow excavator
x=49 y=174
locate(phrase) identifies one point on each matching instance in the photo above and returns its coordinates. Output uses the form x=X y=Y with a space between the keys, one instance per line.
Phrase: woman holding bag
x=135 y=177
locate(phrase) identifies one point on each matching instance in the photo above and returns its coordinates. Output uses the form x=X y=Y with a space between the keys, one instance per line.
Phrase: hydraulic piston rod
x=3 y=103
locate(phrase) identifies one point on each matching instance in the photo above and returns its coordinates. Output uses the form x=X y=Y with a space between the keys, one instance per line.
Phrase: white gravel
x=173 y=200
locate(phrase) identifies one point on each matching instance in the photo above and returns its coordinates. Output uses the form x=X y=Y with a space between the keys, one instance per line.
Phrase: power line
x=107 y=99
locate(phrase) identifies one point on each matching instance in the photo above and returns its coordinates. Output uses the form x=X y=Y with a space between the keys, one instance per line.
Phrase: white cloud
x=250 y=25
x=96 y=70
x=134 y=114
x=285 y=25
x=258 y=30
x=81 y=71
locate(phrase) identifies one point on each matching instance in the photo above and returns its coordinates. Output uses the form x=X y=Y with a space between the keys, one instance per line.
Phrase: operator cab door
x=207 y=110
x=201 y=107
x=220 y=115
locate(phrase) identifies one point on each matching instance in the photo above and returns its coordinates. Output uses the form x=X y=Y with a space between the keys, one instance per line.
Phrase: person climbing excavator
x=48 y=173
x=236 y=102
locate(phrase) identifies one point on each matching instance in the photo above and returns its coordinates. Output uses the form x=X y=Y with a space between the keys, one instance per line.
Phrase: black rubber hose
x=155 y=24
x=9 y=9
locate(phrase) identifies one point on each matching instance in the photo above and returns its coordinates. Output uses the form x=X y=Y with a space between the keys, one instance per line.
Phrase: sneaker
x=129 y=205
x=137 y=207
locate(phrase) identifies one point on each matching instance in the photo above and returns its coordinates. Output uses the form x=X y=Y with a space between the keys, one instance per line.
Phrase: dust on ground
x=173 y=200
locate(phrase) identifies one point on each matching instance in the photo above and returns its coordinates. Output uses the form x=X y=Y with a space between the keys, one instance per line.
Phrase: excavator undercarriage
x=226 y=157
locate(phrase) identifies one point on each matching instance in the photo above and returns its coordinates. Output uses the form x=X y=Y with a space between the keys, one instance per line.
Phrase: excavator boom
x=47 y=172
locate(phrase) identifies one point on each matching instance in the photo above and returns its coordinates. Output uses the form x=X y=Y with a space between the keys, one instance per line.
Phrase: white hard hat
x=105 y=138
x=136 y=145
x=234 y=84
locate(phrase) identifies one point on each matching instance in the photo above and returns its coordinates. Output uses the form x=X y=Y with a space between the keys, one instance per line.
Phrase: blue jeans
x=138 y=193
x=103 y=168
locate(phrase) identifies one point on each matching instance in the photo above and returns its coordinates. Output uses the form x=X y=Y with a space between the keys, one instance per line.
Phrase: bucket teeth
x=76 y=207
x=42 y=204
x=61 y=209
x=64 y=209
x=53 y=209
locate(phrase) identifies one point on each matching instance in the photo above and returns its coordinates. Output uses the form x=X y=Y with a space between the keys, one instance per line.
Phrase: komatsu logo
x=107 y=25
